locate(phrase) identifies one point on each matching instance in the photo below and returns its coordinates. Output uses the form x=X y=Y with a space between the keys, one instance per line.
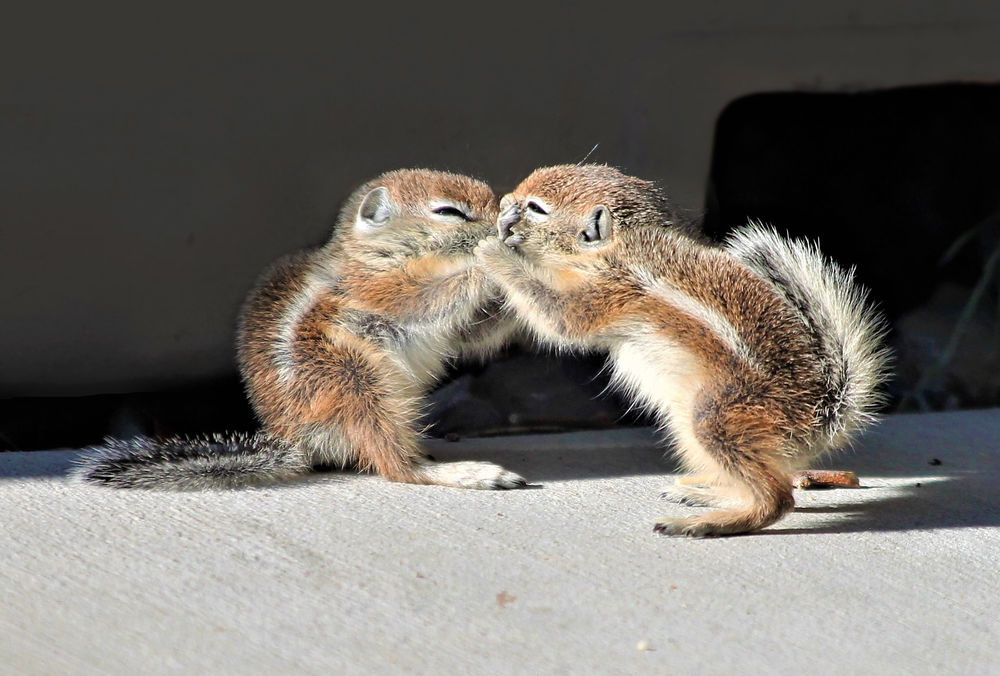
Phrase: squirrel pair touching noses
x=756 y=356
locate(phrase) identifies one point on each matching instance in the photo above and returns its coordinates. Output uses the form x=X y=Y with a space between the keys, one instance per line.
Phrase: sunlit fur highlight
x=338 y=346
x=755 y=357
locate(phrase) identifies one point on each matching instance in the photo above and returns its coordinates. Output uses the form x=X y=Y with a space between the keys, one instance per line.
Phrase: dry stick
x=825 y=478
x=805 y=479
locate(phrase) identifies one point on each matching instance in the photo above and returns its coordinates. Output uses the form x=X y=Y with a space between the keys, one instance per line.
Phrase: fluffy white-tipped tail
x=179 y=463
x=837 y=311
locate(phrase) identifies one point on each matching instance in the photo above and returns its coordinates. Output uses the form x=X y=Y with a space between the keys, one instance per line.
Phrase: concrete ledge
x=348 y=574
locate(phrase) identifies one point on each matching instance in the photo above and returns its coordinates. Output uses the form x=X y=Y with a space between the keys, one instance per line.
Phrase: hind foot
x=695 y=527
x=723 y=522
x=697 y=496
x=470 y=474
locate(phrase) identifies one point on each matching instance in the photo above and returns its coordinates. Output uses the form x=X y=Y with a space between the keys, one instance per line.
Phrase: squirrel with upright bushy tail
x=756 y=357
x=338 y=346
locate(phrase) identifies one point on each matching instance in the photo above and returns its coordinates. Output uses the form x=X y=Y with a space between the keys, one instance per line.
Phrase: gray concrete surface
x=347 y=574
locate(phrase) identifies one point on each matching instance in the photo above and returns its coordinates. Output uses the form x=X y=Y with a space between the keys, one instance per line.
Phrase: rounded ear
x=376 y=208
x=598 y=226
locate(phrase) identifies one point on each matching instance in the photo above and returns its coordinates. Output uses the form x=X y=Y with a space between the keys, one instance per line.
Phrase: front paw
x=491 y=248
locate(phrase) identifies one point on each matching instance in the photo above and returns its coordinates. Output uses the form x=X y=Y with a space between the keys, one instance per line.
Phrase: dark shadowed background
x=152 y=162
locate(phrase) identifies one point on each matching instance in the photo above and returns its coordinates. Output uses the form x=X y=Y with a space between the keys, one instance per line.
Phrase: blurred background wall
x=153 y=161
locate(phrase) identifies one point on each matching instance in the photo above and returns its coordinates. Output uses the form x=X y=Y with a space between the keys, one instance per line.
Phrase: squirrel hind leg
x=366 y=406
x=703 y=489
x=745 y=442
x=766 y=502
x=469 y=474
x=700 y=496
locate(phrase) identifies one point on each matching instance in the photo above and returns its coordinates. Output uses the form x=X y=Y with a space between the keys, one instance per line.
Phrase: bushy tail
x=180 y=463
x=837 y=311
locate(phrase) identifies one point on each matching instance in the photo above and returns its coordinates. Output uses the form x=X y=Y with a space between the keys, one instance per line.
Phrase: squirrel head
x=411 y=212
x=576 y=210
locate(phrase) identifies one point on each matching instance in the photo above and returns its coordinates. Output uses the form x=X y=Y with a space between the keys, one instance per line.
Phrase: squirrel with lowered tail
x=337 y=347
x=756 y=356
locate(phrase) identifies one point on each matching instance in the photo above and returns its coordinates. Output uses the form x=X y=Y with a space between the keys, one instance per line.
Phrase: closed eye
x=537 y=208
x=451 y=211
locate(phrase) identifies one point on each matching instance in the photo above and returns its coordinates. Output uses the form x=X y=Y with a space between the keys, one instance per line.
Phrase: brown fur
x=338 y=346
x=713 y=349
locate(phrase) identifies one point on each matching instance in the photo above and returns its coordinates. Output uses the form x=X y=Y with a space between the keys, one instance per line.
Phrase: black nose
x=507 y=219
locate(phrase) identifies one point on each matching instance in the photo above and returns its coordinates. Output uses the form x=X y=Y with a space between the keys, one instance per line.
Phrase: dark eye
x=534 y=206
x=451 y=211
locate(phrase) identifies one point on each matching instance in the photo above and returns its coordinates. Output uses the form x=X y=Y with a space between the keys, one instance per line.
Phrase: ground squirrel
x=755 y=357
x=337 y=347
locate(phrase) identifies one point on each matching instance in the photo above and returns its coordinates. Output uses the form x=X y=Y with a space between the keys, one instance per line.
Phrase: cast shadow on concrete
x=904 y=490
x=566 y=457
x=58 y=465
x=966 y=500
x=36 y=464
x=575 y=455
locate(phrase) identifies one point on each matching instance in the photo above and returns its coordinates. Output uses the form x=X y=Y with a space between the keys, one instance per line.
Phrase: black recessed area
x=887 y=181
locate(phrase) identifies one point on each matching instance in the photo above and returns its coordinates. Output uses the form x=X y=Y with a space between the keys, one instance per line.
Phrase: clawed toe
x=682 y=497
x=685 y=527
x=509 y=480
x=714 y=524
x=696 y=496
